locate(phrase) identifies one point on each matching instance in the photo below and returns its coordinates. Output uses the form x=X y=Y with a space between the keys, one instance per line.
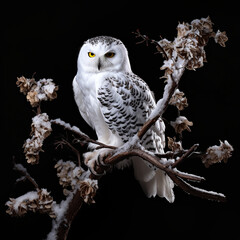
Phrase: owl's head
x=103 y=54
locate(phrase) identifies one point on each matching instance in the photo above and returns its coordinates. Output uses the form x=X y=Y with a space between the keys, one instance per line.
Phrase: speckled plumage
x=116 y=103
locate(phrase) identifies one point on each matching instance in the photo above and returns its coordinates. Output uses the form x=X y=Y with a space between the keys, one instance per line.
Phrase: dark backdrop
x=45 y=39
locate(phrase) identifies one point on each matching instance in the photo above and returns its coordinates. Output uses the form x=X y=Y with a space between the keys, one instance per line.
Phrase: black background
x=46 y=38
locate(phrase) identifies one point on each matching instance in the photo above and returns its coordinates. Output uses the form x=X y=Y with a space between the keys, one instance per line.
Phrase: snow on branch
x=80 y=182
x=34 y=201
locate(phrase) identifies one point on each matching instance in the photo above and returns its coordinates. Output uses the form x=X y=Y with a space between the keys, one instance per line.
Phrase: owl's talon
x=92 y=170
x=101 y=162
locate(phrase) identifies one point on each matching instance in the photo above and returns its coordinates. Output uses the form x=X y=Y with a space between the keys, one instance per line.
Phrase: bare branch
x=146 y=39
x=176 y=176
x=65 y=142
x=21 y=169
x=77 y=131
x=210 y=195
x=185 y=155
x=163 y=103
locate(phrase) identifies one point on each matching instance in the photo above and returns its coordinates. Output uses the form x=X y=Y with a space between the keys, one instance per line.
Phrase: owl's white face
x=103 y=54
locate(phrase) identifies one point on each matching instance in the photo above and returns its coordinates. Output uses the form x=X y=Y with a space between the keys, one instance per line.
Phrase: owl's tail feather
x=153 y=182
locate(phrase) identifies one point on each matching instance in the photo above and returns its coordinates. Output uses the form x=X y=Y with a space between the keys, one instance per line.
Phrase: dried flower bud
x=42 y=90
x=40 y=201
x=217 y=154
x=167 y=46
x=221 y=38
x=77 y=178
x=41 y=129
x=178 y=100
x=69 y=174
x=25 y=84
x=173 y=145
x=32 y=97
x=88 y=189
x=182 y=29
x=180 y=124
x=189 y=45
x=204 y=25
x=15 y=208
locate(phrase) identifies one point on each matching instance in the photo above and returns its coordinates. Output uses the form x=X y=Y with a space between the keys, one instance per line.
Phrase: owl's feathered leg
x=91 y=159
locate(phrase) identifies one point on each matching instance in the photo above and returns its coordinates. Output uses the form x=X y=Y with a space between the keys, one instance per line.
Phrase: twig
x=176 y=176
x=21 y=169
x=81 y=135
x=146 y=39
x=65 y=142
x=185 y=155
x=210 y=195
x=173 y=80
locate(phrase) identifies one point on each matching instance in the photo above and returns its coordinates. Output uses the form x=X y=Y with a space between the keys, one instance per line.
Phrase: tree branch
x=163 y=103
x=176 y=176
x=82 y=136
x=65 y=142
x=73 y=207
x=185 y=155
x=21 y=169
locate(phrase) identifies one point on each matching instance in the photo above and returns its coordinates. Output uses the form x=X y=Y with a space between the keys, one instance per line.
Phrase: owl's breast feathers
x=126 y=102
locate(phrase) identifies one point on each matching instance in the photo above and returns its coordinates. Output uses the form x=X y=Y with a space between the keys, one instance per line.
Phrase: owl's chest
x=89 y=86
x=88 y=103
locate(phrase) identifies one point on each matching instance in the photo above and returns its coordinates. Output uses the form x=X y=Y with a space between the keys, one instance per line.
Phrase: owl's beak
x=99 y=65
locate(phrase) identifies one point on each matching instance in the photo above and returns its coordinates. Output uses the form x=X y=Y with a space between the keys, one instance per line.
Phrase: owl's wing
x=126 y=102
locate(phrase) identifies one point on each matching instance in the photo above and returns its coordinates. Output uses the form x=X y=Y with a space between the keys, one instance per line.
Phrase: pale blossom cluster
x=178 y=100
x=76 y=177
x=41 y=129
x=34 y=201
x=180 y=124
x=189 y=44
x=216 y=154
x=37 y=91
x=173 y=145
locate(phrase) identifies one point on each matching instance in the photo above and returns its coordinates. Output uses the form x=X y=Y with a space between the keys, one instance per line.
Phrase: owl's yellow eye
x=91 y=54
x=110 y=54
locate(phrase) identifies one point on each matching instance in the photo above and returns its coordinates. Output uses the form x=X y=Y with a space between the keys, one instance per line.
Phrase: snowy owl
x=115 y=102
